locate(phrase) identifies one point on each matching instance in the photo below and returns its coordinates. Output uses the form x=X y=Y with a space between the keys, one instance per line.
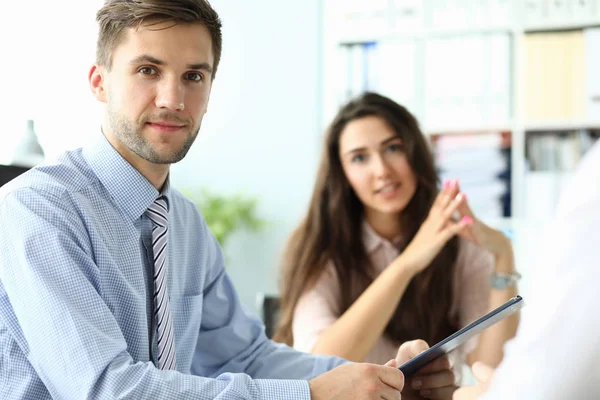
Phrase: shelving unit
x=390 y=46
x=405 y=29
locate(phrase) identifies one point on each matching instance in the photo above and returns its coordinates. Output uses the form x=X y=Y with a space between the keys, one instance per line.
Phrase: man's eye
x=195 y=76
x=147 y=71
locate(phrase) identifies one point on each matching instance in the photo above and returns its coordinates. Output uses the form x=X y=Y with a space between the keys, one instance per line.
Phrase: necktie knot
x=158 y=211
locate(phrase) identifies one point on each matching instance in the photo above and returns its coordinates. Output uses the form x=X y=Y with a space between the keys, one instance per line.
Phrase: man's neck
x=155 y=173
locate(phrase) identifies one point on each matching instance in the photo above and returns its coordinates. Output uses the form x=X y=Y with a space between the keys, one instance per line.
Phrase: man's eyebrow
x=145 y=58
x=202 y=66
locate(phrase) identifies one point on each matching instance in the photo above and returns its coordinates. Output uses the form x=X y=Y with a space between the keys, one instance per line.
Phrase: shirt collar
x=373 y=241
x=130 y=190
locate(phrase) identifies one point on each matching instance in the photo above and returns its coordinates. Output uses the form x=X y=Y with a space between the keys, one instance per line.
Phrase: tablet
x=460 y=337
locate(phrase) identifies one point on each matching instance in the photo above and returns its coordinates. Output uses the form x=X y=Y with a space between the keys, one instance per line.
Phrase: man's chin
x=169 y=154
x=166 y=158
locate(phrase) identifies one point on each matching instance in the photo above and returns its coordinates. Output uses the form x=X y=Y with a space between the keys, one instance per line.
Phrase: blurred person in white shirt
x=556 y=353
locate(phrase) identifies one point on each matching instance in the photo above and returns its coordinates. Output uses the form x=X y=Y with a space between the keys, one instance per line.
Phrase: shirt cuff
x=283 y=389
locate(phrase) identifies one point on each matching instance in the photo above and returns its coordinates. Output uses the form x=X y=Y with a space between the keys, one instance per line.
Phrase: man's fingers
x=482 y=372
x=392 y=377
x=391 y=363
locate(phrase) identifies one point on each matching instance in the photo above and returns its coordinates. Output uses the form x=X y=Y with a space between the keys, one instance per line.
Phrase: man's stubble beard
x=130 y=135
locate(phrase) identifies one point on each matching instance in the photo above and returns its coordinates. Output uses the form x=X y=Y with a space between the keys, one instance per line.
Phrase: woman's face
x=376 y=166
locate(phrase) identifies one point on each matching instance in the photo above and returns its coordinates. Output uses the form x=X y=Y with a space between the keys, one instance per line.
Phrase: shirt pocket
x=187 y=318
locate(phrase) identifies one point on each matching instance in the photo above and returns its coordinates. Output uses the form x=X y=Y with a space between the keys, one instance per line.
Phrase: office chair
x=269 y=309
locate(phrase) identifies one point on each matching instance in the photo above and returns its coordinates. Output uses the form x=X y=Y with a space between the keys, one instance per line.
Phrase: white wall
x=261 y=134
x=45 y=56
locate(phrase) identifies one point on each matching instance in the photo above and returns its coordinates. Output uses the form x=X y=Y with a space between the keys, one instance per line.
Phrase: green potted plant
x=226 y=214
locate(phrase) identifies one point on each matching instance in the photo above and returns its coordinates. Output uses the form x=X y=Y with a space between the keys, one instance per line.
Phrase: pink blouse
x=319 y=307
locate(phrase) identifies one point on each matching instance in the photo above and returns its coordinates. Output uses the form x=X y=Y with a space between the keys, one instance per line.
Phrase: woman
x=382 y=258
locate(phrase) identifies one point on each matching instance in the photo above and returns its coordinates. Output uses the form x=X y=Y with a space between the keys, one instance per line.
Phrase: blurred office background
x=508 y=91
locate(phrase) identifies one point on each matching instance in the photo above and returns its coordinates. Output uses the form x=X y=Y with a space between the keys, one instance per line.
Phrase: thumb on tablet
x=391 y=363
x=409 y=350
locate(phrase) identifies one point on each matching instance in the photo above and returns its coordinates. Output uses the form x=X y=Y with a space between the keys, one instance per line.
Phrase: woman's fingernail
x=454 y=183
x=467 y=220
x=416 y=384
x=463 y=196
x=446 y=184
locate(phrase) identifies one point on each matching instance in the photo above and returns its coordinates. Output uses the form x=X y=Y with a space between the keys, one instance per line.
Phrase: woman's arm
x=353 y=335
x=491 y=341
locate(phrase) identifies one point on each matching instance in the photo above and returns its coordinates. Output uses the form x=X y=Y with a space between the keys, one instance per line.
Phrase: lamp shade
x=28 y=152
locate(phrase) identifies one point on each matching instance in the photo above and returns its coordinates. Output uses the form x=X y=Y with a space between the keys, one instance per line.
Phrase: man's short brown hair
x=118 y=15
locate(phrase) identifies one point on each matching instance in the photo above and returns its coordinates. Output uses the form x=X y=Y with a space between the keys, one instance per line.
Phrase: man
x=555 y=354
x=111 y=285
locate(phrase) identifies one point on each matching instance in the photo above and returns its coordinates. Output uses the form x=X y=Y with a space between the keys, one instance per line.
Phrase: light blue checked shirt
x=75 y=295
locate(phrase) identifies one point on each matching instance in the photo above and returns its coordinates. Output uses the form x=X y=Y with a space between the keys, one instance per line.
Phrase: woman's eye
x=395 y=147
x=358 y=158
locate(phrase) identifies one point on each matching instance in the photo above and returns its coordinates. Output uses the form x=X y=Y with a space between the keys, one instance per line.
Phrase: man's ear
x=97 y=80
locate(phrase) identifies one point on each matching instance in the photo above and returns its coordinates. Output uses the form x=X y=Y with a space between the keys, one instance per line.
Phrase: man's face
x=157 y=90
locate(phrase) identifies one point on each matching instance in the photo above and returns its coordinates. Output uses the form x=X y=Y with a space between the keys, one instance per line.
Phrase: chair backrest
x=9 y=172
x=269 y=309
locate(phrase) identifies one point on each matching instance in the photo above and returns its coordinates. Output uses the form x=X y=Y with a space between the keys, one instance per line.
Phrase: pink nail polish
x=453 y=183
x=446 y=184
x=467 y=219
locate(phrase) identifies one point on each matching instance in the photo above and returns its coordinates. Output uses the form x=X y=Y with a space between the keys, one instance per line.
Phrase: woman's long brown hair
x=332 y=232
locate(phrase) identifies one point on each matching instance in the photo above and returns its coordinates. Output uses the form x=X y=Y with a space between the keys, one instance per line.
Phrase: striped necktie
x=157 y=213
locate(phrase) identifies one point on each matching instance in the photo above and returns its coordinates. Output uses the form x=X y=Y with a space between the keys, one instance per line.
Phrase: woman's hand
x=437 y=229
x=479 y=233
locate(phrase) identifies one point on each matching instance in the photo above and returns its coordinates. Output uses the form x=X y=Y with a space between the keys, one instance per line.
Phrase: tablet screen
x=462 y=336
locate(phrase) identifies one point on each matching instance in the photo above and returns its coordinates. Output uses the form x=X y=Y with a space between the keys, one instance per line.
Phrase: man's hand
x=434 y=381
x=484 y=374
x=358 y=382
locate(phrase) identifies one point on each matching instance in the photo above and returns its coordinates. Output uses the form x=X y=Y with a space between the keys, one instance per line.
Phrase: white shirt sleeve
x=556 y=353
